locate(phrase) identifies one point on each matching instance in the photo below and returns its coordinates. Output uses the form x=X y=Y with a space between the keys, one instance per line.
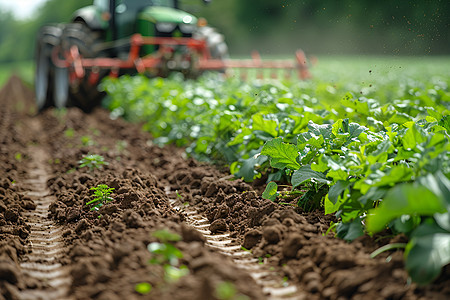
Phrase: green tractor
x=115 y=37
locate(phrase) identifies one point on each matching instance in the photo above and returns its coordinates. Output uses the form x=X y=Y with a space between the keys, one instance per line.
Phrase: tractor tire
x=82 y=94
x=47 y=39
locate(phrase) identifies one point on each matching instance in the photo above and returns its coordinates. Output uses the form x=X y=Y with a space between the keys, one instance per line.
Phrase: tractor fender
x=50 y=35
x=90 y=16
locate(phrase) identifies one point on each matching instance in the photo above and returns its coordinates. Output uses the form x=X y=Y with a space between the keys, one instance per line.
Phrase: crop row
x=376 y=162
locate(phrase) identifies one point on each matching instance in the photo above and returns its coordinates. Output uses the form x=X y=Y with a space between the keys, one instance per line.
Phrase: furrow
x=45 y=247
x=271 y=283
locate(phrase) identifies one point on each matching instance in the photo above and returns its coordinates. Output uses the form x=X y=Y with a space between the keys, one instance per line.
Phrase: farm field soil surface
x=234 y=244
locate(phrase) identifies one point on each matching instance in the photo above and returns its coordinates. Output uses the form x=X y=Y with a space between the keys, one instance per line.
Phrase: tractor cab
x=123 y=18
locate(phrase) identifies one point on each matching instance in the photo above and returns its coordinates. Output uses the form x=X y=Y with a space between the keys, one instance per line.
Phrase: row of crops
x=371 y=148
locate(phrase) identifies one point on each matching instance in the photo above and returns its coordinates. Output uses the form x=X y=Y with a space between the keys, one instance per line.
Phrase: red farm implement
x=198 y=60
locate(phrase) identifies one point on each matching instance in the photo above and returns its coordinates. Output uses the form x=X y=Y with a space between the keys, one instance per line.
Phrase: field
x=333 y=188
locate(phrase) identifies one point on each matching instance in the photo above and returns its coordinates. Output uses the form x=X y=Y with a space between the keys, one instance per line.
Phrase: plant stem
x=387 y=248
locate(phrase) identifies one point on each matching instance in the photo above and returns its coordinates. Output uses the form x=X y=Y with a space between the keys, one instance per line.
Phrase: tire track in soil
x=270 y=282
x=46 y=246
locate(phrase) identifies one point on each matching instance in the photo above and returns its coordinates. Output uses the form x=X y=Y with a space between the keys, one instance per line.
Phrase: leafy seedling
x=166 y=254
x=92 y=161
x=86 y=141
x=69 y=133
x=18 y=156
x=172 y=273
x=227 y=291
x=101 y=196
x=143 y=288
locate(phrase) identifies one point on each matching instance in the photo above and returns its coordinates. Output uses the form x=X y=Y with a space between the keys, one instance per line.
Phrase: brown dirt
x=105 y=251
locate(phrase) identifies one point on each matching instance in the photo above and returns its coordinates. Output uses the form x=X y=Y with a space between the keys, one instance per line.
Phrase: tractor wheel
x=61 y=88
x=47 y=39
x=82 y=94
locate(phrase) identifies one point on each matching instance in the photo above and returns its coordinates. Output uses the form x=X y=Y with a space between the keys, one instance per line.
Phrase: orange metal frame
x=78 y=64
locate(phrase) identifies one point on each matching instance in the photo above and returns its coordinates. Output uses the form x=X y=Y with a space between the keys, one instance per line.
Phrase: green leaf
x=271 y=191
x=269 y=126
x=350 y=231
x=331 y=207
x=355 y=130
x=304 y=173
x=337 y=189
x=413 y=136
x=247 y=169
x=359 y=105
x=325 y=130
x=445 y=122
x=373 y=194
x=282 y=155
x=426 y=255
x=434 y=113
x=405 y=224
x=404 y=199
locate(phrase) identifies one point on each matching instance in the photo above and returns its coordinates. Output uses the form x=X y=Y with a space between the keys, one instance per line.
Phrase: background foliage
x=280 y=26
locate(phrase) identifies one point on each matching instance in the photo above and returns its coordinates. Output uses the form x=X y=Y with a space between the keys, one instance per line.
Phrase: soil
x=235 y=244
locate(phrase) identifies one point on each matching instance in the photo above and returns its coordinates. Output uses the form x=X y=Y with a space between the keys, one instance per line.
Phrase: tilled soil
x=235 y=244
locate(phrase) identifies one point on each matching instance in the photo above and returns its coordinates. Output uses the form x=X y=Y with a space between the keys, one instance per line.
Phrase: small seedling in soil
x=121 y=146
x=18 y=156
x=172 y=273
x=101 y=196
x=167 y=255
x=86 y=141
x=70 y=133
x=55 y=161
x=143 y=288
x=92 y=161
x=165 y=252
x=227 y=291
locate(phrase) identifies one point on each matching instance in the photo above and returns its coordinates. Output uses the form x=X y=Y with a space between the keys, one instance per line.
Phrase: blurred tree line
x=383 y=27
x=281 y=26
x=17 y=37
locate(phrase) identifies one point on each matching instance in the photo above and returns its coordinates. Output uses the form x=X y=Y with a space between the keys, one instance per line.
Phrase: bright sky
x=22 y=9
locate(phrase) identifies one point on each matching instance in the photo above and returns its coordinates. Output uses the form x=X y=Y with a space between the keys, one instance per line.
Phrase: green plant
x=121 y=146
x=69 y=132
x=331 y=143
x=421 y=210
x=101 y=196
x=227 y=291
x=18 y=156
x=87 y=141
x=92 y=161
x=167 y=255
x=143 y=288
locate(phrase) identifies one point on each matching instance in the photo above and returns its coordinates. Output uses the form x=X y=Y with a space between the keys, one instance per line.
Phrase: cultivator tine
x=254 y=67
x=140 y=66
x=260 y=74
x=114 y=72
x=274 y=74
x=303 y=71
x=287 y=74
x=244 y=74
x=94 y=76
x=77 y=62
x=256 y=57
